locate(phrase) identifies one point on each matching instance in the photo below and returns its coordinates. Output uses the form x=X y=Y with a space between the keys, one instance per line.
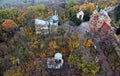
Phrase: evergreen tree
x=117 y=13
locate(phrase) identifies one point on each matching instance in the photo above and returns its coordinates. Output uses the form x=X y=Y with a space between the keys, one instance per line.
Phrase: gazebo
x=56 y=62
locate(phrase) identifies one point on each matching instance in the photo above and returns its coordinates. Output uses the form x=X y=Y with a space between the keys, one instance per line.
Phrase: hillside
x=60 y=39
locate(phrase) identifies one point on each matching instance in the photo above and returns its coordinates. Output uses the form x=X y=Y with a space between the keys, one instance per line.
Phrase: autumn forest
x=84 y=52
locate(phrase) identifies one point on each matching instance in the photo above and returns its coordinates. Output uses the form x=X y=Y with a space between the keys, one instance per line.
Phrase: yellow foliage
x=90 y=69
x=21 y=15
x=76 y=8
x=87 y=42
x=18 y=71
x=118 y=36
x=75 y=44
x=87 y=69
x=69 y=41
x=42 y=55
x=34 y=44
x=88 y=6
x=112 y=2
x=42 y=46
x=91 y=7
x=73 y=41
x=53 y=45
x=83 y=7
x=28 y=32
x=14 y=60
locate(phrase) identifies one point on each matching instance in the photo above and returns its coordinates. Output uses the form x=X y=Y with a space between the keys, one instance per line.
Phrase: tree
x=71 y=3
x=9 y=24
x=105 y=3
x=72 y=15
x=53 y=45
x=17 y=71
x=41 y=8
x=88 y=9
x=76 y=8
x=117 y=14
x=13 y=12
x=3 y=15
x=79 y=59
x=87 y=42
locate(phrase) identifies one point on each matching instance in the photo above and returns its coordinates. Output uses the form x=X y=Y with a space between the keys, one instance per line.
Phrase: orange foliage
x=69 y=41
x=8 y=23
x=50 y=12
x=31 y=65
x=64 y=51
x=87 y=42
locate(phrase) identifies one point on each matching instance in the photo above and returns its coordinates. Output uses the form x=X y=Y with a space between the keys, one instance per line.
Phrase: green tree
x=71 y=3
x=3 y=15
x=13 y=12
x=72 y=16
x=117 y=14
